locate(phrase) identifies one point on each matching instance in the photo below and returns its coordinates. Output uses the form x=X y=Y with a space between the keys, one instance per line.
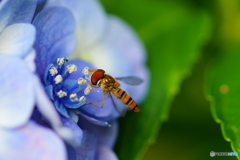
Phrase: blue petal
x=16 y=11
x=41 y=1
x=45 y=106
x=16 y=92
x=17 y=39
x=49 y=91
x=30 y=60
x=105 y=114
x=70 y=83
x=49 y=112
x=81 y=64
x=73 y=105
x=94 y=120
x=45 y=74
x=55 y=39
x=105 y=153
x=91 y=20
x=87 y=149
x=30 y=141
x=37 y=117
x=61 y=109
x=70 y=152
x=106 y=135
x=77 y=131
x=124 y=39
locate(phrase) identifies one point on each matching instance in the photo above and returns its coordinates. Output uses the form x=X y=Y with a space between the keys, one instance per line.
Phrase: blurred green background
x=184 y=39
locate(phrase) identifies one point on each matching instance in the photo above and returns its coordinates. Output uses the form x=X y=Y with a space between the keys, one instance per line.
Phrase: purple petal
x=29 y=142
x=30 y=60
x=17 y=92
x=105 y=153
x=61 y=109
x=105 y=114
x=37 y=117
x=55 y=27
x=17 y=39
x=81 y=64
x=70 y=152
x=124 y=39
x=87 y=149
x=77 y=131
x=94 y=120
x=106 y=135
x=41 y=1
x=91 y=21
x=16 y=11
x=49 y=91
x=49 y=112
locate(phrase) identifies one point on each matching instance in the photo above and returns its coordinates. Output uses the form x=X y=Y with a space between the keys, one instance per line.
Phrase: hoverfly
x=110 y=86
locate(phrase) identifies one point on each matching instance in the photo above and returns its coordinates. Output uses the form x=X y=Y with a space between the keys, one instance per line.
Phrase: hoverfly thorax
x=108 y=83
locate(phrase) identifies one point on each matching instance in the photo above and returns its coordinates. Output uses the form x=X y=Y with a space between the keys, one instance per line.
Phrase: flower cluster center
x=63 y=91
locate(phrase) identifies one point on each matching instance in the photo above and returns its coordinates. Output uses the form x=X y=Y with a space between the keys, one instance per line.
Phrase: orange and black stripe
x=126 y=99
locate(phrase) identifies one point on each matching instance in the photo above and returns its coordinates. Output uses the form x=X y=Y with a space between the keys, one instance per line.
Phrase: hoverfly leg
x=93 y=103
x=101 y=100
x=97 y=91
x=87 y=78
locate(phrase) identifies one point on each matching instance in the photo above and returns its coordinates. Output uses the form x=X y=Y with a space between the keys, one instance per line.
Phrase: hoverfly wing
x=131 y=80
x=118 y=105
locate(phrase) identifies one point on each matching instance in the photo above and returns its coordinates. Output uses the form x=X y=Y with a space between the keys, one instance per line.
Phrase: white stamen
x=53 y=71
x=87 y=90
x=82 y=99
x=82 y=81
x=60 y=61
x=73 y=97
x=58 y=79
x=71 y=68
x=61 y=94
x=85 y=71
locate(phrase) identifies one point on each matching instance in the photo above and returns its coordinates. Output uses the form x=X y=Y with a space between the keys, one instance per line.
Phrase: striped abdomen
x=126 y=99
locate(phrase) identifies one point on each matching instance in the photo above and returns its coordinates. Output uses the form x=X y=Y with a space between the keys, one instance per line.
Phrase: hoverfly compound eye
x=85 y=71
x=96 y=76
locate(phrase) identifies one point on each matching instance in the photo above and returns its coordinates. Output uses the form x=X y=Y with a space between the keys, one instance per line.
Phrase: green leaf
x=173 y=35
x=223 y=90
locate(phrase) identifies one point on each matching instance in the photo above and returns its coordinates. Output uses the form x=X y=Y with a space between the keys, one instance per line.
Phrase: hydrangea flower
x=21 y=89
x=107 y=43
x=110 y=44
x=55 y=39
